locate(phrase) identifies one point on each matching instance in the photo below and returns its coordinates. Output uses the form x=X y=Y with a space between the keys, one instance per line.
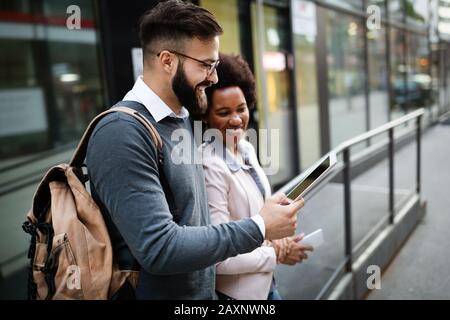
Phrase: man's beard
x=193 y=100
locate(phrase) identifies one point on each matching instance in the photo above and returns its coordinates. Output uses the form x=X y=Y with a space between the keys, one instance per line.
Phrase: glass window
x=58 y=8
x=447 y=73
x=416 y=12
x=380 y=4
x=441 y=78
x=17 y=6
x=434 y=69
x=396 y=10
x=419 y=71
x=23 y=122
x=76 y=87
x=50 y=84
x=278 y=114
x=346 y=77
x=444 y=77
x=227 y=13
x=378 y=89
x=351 y=4
x=306 y=81
x=398 y=74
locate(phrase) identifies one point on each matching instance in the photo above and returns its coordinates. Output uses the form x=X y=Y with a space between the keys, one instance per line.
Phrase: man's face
x=193 y=77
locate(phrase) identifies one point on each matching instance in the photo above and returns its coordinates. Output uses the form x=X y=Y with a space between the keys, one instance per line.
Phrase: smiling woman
x=231 y=98
x=237 y=186
x=235 y=183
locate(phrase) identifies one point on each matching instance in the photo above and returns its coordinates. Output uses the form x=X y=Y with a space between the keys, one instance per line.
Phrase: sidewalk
x=421 y=269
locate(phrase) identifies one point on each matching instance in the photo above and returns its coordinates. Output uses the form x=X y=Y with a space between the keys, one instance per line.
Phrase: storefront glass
x=227 y=13
x=378 y=79
x=277 y=114
x=419 y=71
x=399 y=84
x=346 y=77
x=380 y=5
x=396 y=10
x=417 y=12
x=50 y=84
x=305 y=34
x=351 y=4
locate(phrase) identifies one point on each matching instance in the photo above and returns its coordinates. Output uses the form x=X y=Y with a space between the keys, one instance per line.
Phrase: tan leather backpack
x=70 y=253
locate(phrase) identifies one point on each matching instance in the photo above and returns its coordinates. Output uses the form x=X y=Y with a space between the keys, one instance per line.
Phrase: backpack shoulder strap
x=80 y=152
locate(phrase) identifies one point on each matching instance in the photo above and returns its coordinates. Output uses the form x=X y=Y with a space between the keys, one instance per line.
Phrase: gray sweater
x=172 y=241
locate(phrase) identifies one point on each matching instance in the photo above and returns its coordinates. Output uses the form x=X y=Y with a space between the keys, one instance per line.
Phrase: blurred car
x=412 y=93
x=425 y=84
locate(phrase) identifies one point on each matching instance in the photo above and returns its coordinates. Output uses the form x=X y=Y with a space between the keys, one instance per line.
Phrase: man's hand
x=296 y=253
x=280 y=216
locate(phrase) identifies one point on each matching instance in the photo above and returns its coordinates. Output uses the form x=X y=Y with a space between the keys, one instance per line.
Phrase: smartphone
x=316 y=173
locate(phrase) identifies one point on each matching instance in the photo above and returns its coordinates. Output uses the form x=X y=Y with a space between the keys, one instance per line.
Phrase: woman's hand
x=281 y=247
x=296 y=252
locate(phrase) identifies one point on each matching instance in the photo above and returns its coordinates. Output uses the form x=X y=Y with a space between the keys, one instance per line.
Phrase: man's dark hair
x=233 y=71
x=170 y=23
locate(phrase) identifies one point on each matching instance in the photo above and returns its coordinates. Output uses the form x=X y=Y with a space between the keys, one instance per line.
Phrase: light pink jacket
x=232 y=195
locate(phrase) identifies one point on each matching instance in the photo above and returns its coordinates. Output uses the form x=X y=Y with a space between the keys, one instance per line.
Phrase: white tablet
x=315 y=174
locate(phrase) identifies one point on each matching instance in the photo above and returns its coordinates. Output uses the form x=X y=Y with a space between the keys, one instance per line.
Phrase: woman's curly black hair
x=234 y=71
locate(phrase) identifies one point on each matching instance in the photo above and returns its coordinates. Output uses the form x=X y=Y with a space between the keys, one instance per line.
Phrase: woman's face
x=229 y=113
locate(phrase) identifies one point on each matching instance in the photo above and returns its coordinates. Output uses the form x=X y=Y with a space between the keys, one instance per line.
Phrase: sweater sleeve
x=261 y=259
x=122 y=165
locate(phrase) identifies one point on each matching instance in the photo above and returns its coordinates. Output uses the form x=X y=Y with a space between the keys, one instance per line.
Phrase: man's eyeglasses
x=210 y=67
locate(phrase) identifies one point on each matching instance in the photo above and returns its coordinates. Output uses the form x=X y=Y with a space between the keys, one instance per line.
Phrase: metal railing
x=345 y=169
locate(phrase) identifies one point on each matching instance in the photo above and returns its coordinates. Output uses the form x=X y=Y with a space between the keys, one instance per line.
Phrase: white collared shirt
x=158 y=109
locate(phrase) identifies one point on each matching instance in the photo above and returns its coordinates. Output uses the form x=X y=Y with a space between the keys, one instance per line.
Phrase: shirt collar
x=158 y=109
x=232 y=162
